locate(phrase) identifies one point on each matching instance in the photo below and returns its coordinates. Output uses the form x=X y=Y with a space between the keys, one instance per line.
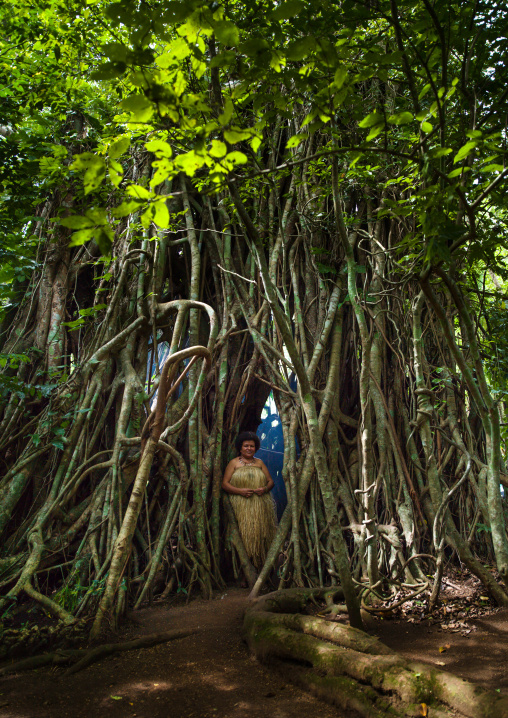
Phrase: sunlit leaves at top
x=201 y=87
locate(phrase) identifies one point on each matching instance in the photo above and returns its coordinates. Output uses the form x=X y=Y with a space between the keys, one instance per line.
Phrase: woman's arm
x=269 y=481
x=233 y=489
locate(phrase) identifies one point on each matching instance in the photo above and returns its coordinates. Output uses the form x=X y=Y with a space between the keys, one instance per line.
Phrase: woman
x=249 y=483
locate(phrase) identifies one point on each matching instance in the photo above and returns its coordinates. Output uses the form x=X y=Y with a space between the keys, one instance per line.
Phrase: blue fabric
x=272 y=453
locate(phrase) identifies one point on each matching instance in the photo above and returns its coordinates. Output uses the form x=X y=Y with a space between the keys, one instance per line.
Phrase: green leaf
x=76 y=222
x=438 y=152
x=226 y=116
x=218 y=149
x=161 y=214
x=125 y=208
x=237 y=158
x=79 y=238
x=255 y=143
x=493 y=168
x=339 y=77
x=115 y=172
x=227 y=33
x=98 y=215
x=117 y=148
x=427 y=127
x=254 y=46
x=424 y=91
x=166 y=60
x=375 y=118
x=135 y=190
x=287 y=9
x=94 y=175
x=355 y=157
x=92 y=310
x=109 y=71
x=95 y=170
x=300 y=49
x=223 y=59
x=139 y=106
x=402 y=118
x=465 y=151
x=236 y=135
x=295 y=140
x=375 y=131
x=177 y=51
x=190 y=162
x=115 y=51
x=159 y=148
x=104 y=238
x=325 y=268
x=390 y=58
x=458 y=171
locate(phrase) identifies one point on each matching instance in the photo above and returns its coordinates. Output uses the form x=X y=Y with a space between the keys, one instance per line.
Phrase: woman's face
x=248 y=449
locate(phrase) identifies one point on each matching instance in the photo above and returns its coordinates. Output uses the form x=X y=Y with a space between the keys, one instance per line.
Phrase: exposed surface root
x=354 y=670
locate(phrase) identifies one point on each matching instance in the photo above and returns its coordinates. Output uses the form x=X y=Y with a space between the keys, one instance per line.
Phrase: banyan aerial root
x=355 y=671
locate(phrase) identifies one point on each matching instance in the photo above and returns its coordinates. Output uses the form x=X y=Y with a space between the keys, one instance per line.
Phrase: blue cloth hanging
x=272 y=453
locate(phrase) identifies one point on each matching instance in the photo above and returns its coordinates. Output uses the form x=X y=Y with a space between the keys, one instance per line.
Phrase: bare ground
x=480 y=657
x=206 y=675
x=211 y=674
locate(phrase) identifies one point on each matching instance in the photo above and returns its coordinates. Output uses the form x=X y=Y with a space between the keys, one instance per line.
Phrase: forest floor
x=211 y=674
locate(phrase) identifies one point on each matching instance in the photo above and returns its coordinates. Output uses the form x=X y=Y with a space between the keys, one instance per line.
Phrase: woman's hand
x=260 y=491
x=247 y=493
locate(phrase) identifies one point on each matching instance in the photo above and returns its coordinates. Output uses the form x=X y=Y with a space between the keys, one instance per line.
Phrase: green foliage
x=199 y=86
x=83 y=314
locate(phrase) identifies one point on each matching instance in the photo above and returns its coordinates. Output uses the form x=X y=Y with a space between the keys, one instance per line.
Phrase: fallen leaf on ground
x=116 y=698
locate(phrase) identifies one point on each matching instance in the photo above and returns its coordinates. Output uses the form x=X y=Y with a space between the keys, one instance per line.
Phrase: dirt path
x=206 y=675
x=480 y=657
x=211 y=675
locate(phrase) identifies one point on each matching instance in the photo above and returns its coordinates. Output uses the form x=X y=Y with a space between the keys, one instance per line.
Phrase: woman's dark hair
x=247 y=436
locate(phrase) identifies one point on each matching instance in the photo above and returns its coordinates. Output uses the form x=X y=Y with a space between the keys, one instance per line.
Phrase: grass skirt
x=255 y=515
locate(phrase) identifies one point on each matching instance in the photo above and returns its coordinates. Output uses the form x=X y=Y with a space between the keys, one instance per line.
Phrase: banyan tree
x=218 y=202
